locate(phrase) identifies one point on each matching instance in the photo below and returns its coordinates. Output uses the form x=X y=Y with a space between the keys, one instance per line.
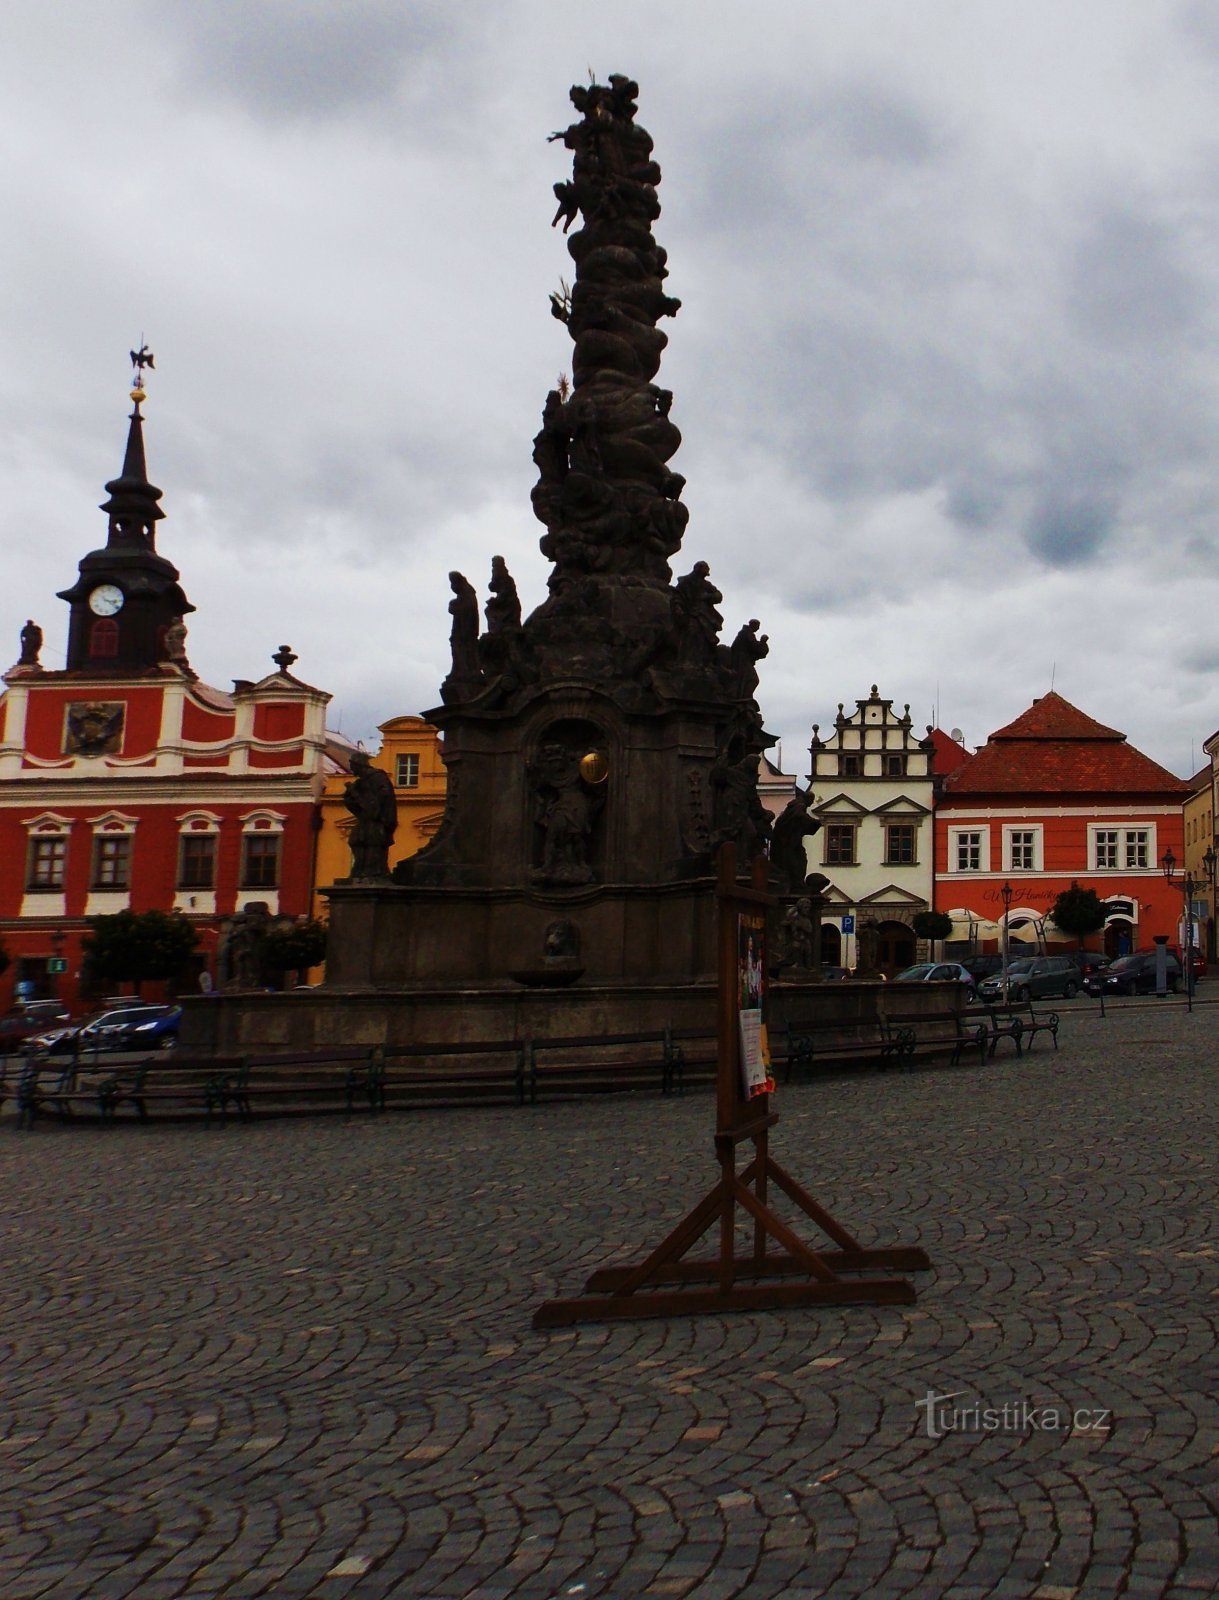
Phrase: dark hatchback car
x=1134 y=974
x=1088 y=960
x=118 y=1028
x=1033 y=978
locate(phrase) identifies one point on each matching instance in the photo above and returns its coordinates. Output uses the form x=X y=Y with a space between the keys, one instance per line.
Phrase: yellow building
x=410 y=754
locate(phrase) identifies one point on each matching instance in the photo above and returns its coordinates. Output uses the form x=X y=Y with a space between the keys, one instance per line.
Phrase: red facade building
x=125 y=782
x=1051 y=799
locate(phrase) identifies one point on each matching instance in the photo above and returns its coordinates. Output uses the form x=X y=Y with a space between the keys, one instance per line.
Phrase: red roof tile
x=1054 y=748
x=949 y=755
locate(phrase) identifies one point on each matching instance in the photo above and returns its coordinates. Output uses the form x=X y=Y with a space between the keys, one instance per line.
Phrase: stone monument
x=599 y=747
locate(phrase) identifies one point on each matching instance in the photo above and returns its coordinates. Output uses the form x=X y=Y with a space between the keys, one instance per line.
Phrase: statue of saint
x=503 y=609
x=463 y=636
x=739 y=815
x=371 y=800
x=746 y=650
x=696 y=621
x=31 y=644
x=787 y=854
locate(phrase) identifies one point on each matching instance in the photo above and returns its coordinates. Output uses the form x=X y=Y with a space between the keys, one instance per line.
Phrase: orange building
x=1051 y=799
x=410 y=754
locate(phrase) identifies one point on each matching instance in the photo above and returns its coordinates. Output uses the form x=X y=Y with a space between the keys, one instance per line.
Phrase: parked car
x=1135 y=974
x=980 y=967
x=101 y=1030
x=1032 y=978
x=1088 y=960
x=21 y=1023
x=148 y=1028
x=938 y=972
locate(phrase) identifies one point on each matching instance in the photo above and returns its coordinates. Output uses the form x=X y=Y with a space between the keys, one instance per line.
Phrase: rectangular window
x=1136 y=847
x=969 y=852
x=197 y=861
x=899 y=844
x=1021 y=848
x=840 y=844
x=895 y=766
x=1106 y=847
x=48 y=858
x=852 y=766
x=260 y=861
x=407 y=776
x=112 y=861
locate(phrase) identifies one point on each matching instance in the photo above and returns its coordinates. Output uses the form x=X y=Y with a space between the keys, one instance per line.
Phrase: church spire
x=132 y=506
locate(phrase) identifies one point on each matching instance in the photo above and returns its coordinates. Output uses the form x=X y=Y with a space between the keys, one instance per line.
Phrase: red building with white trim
x=1051 y=799
x=125 y=782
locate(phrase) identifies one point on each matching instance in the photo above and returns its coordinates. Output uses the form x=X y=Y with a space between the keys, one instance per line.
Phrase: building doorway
x=895 y=948
x=1119 y=937
x=831 y=945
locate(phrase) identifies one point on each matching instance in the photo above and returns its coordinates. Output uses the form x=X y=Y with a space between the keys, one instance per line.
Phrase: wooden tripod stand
x=794 y=1274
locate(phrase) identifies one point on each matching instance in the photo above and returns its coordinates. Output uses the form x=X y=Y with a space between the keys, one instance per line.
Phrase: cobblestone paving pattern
x=294 y=1359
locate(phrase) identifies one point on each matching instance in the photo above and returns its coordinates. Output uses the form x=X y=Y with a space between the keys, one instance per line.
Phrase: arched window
x=104 y=637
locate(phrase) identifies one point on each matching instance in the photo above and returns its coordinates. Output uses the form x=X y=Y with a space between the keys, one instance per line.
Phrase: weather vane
x=140 y=359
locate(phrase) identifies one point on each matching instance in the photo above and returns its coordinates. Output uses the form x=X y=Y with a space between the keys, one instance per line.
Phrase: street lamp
x=1005 y=895
x=1188 y=888
x=1209 y=860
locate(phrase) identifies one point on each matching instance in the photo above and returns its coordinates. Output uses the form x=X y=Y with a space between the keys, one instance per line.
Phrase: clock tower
x=127 y=603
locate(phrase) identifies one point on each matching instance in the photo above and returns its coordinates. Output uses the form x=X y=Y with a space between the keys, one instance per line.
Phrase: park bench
x=950 y=1032
x=816 y=1044
x=1018 y=1022
x=690 y=1054
x=176 y=1083
x=453 y=1073
x=601 y=1063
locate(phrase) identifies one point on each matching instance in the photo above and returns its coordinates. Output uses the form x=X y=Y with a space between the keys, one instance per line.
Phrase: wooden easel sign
x=780 y=1269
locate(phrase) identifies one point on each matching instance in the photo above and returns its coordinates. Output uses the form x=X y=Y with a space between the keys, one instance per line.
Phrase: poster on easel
x=756 y=1076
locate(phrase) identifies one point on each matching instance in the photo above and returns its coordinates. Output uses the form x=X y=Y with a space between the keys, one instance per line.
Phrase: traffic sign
x=848 y=923
x=57 y=964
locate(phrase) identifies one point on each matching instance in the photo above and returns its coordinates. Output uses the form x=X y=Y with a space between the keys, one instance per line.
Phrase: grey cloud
x=288 y=60
x=1066 y=530
x=1127 y=285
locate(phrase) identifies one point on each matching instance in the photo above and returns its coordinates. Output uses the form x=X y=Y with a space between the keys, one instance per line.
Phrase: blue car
x=148 y=1028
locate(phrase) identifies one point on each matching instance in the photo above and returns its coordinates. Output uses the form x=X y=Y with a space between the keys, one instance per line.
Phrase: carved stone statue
x=867 y=948
x=788 y=858
x=695 y=619
x=503 y=609
x=240 y=948
x=371 y=800
x=746 y=650
x=739 y=815
x=466 y=673
x=175 y=640
x=564 y=806
x=31 y=644
x=797 y=933
x=561 y=943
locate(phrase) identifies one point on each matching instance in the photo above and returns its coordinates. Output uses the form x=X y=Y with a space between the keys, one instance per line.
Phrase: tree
x=931 y=925
x=130 y=946
x=295 y=949
x=1079 y=912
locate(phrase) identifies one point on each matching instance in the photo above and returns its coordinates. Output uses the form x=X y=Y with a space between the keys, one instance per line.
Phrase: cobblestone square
x=294 y=1359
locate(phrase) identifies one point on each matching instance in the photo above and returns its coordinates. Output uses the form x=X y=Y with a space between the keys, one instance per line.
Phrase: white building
x=873 y=782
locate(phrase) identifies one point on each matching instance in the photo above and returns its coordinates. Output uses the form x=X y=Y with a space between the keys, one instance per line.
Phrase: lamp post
x=1006 y=895
x=1209 y=861
x=1188 y=888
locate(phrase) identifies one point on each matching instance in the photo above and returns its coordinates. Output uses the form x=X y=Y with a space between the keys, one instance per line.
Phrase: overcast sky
x=947 y=367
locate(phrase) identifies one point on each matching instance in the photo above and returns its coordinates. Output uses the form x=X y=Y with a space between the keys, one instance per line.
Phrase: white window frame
x=956 y=840
x=408 y=760
x=1010 y=832
x=1124 y=837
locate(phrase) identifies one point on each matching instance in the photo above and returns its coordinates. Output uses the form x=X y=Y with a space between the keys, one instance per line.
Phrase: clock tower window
x=104 y=638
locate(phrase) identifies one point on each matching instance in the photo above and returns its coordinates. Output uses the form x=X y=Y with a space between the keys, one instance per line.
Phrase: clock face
x=106 y=599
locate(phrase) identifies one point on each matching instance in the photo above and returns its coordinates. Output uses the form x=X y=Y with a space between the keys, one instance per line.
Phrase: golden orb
x=594 y=768
x=137 y=395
